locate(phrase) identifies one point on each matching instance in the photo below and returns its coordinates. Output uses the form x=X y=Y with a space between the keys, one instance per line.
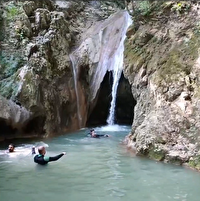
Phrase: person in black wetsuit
x=33 y=150
x=42 y=159
x=94 y=135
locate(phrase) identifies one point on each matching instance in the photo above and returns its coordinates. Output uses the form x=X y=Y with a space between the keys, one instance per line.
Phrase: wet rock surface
x=37 y=38
x=162 y=65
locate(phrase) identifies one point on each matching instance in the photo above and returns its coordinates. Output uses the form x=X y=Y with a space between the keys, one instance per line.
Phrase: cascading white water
x=23 y=72
x=103 y=44
x=116 y=76
x=74 y=67
x=117 y=64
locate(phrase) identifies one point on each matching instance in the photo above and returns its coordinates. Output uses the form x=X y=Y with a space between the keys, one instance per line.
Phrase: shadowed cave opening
x=6 y=129
x=35 y=125
x=125 y=103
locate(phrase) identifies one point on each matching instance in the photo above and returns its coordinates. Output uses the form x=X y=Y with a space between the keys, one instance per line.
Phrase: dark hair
x=11 y=144
x=40 y=149
x=91 y=129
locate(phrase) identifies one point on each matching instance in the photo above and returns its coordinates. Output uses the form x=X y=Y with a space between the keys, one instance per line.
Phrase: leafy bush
x=12 y=11
x=139 y=8
x=144 y=7
x=181 y=7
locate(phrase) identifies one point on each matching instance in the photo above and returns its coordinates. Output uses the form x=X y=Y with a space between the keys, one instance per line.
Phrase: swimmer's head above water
x=92 y=132
x=11 y=148
x=33 y=150
x=42 y=150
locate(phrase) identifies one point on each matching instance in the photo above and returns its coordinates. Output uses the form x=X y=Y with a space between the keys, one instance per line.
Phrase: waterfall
x=74 y=67
x=103 y=45
x=116 y=76
x=117 y=64
x=22 y=73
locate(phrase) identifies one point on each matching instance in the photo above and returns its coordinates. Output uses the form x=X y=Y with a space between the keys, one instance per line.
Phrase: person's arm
x=54 y=158
x=102 y=135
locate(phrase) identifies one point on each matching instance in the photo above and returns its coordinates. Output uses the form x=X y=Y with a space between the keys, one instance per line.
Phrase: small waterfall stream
x=75 y=73
x=116 y=76
x=117 y=64
x=23 y=72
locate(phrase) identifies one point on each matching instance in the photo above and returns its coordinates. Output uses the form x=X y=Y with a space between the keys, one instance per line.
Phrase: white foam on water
x=41 y=143
x=114 y=127
x=5 y=162
x=23 y=150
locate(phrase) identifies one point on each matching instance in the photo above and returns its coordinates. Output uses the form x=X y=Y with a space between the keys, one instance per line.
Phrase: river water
x=92 y=170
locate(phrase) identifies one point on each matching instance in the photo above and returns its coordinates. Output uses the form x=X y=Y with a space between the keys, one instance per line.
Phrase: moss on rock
x=9 y=87
x=164 y=51
x=194 y=162
x=156 y=154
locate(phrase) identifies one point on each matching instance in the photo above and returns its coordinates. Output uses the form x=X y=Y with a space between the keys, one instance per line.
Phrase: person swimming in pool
x=94 y=135
x=42 y=159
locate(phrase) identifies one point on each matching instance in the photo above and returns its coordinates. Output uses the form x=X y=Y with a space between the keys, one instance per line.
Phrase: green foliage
x=8 y=87
x=140 y=8
x=197 y=28
x=12 y=11
x=144 y=7
x=156 y=154
x=181 y=7
x=1 y=30
x=20 y=34
x=195 y=162
x=120 y=4
x=1 y=25
x=9 y=64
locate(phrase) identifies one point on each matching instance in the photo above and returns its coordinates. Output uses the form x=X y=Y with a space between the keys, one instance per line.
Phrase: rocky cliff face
x=162 y=65
x=43 y=48
x=12 y=118
x=53 y=65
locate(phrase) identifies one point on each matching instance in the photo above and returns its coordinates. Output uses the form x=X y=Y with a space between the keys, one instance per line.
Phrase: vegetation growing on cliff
x=143 y=11
x=162 y=49
x=11 y=57
x=12 y=10
x=195 y=162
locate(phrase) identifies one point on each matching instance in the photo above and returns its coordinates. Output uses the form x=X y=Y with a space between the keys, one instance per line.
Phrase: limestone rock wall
x=37 y=38
x=14 y=113
x=162 y=66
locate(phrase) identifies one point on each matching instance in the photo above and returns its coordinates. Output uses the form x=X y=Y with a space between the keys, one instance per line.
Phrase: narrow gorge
x=66 y=65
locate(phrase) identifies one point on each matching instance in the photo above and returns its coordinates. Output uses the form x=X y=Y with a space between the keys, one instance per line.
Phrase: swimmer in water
x=11 y=148
x=33 y=150
x=94 y=135
x=42 y=159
